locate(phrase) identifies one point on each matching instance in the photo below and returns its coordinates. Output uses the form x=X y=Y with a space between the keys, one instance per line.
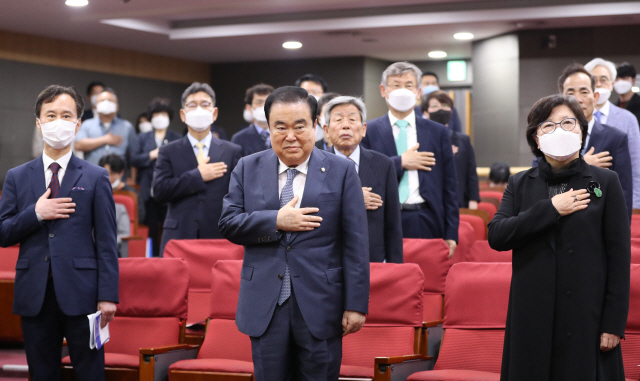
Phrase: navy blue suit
x=194 y=205
x=329 y=265
x=65 y=266
x=250 y=140
x=385 y=226
x=466 y=171
x=438 y=187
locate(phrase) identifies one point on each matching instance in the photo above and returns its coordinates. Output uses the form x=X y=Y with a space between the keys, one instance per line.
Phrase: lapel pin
x=322 y=169
x=594 y=188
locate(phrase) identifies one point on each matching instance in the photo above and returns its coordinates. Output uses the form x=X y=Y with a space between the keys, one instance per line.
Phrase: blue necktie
x=598 y=114
x=285 y=197
x=401 y=147
x=265 y=138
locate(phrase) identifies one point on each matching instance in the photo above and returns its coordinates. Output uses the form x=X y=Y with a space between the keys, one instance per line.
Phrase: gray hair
x=110 y=91
x=610 y=66
x=345 y=100
x=197 y=87
x=400 y=68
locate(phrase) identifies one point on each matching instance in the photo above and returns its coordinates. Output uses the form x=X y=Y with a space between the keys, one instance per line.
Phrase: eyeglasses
x=192 y=105
x=548 y=127
x=602 y=80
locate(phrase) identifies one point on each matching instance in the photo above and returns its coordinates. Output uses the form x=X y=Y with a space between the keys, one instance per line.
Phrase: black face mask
x=440 y=116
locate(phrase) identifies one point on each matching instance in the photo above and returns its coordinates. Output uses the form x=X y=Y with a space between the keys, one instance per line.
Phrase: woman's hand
x=571 y=201
x=608 y=341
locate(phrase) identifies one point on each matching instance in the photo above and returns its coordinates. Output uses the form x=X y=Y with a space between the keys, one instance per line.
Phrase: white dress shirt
x=605 y=110
x=206 y=141
x=355 y=156
x=298 y=181
x=412 y=140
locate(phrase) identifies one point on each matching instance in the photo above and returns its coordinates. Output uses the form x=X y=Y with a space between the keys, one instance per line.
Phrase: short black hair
x=499 y=172
x=541 y=111
x=625 y=69
x=313 y=78
x=424 y=74
x=93 y=84
x=260 y=89
x=326 y=98
x=159 y=105
x=51 y=92
x=291 y=94
x=572 y=69
x=115 y=162
x=138 y=119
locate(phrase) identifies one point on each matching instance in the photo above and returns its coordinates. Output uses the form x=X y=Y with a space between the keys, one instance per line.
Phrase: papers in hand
x=98 y=336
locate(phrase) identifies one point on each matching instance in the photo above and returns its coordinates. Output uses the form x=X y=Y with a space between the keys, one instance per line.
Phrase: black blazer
x=140 y=159
x=634 y=106
x=468 y=187
x=385 y=227
x=250 y=140
x=194 y=205
x=570 y=278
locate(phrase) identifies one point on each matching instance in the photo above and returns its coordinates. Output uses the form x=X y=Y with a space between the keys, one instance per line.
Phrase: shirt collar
x=355 y=155
x=606 y=107
x=113 y=121
x=63 y=161
x=591 y=123
x=206 y=140
x=411 y=118
x=260 y=129
x=302 y=168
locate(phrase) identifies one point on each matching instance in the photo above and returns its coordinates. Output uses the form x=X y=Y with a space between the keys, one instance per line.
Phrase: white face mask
x=115 y=184
x=94 y=100
x=59 y=133
x=247 y=115
x=429 y=89
x=604 y=95
x=560 y=144
x=402 y=99
x=106 y=107
x=259 y=115
x=160 y=122
x=145 y=127
x=622 y=86
x=199 y=119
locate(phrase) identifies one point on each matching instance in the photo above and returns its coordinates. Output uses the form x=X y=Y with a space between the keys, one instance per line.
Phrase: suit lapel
x=71 y=176
x=269 y=179
x=386 y=135
x=216 y=150
x=538 y=190
x=598 y=138
x=315 y=180
x=366 y=172
x=189 y=156
x=38 y=182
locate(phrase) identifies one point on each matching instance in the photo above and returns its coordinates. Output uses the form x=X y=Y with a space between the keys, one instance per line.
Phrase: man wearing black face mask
x=438 y=106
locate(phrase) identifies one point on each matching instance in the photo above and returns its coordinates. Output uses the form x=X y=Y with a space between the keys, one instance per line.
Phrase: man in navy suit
x=345 y=126
x=60 y=210
x=421 y=152
x=191 y=174
x=300 y=214
x=255 y=138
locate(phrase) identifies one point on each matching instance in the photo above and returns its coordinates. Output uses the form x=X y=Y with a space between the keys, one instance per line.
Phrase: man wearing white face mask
x=430 y=83
x=192 y=173
x=61 y=211
x=624 y=86
x=607 y=113
x=315 y=86
x=93 y=90
x=424 y=161
x=255 y=138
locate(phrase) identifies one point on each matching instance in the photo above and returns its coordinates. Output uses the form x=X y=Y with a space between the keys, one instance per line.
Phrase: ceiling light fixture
x=76 y=3
x=437 y=54
x=292 y=45
x=463 y=36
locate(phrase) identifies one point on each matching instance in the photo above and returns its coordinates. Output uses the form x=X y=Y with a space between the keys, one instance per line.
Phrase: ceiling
x=254 y=30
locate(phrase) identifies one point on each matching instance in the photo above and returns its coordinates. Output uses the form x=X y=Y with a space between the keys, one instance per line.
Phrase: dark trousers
x=43 y=336
x=288 y=351
x=156 y=212
x=419 y=224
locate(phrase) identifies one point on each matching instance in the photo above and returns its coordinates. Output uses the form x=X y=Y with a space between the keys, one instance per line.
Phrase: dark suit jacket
x=634 y=106
x=438 y=187
x=329 y=265
x=320 y=145
x=81 y=249
x=249 y=139
x=194 y=205
x=385 y=227
x=468 y=186
x=140 y=159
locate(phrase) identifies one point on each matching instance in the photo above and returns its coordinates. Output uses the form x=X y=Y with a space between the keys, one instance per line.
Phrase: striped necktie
x=286 y=196
x=54 y=184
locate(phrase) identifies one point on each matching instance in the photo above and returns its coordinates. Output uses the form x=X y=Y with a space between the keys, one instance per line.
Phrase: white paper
x=97 y=336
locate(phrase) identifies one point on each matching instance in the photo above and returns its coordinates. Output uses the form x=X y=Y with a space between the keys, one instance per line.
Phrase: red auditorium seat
x=466 y=238
x=482 y=252
x=631 y=344
x=201 y=255
x=150 y=320
x=478 y=224
x=477 y=296
x=492 y=194
x=137 y=241
x=635 y=226
x=635 y=250
x=489 y=208
x=10 y=326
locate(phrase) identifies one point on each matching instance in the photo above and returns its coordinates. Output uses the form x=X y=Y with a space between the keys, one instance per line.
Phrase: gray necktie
x=285 y=197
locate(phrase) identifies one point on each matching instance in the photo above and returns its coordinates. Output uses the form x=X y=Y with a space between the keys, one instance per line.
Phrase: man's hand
x=212 y=171
x=108 y=311
x=412 y=159
x=372 y=201
x=473 y=204
x=570 y=202
x=54 y=208
x=352 y=321
x=153 y=155
x=601 y=159
x=608 y=341
x=291 y=219
x=113 y=140
x=452 y=246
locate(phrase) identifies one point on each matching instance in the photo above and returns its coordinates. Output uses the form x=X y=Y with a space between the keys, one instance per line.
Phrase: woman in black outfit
x=567 y=224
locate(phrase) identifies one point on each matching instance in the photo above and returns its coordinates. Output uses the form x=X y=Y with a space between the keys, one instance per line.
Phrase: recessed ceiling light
x=76 y=3
x=463 y=36
x=437 y=54
x=292 y=45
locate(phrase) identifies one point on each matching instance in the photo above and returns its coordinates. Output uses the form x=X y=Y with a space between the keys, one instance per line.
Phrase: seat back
x=223 y=340
x=635 y=226
x=482 y=252
x=8 y=260
x=478 y=224
x=491 y=194
x=432 y=255
x=466 y=238
x=201 y=255
x=631 y=344
x=130 y=202
x=476 y=301
x=635 y=250
x=153 y=304
x=489 y=208
x=395 y=312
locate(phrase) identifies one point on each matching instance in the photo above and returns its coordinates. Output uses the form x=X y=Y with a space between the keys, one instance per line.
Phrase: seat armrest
x=399 y=359
x=155 y=362
x=400 y=367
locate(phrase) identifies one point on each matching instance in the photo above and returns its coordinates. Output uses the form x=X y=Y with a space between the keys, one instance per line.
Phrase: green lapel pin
x=598 y=192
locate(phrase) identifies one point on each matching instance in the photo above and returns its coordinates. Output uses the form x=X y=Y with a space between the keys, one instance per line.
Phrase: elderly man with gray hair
x=422 y=156
x=192 y=174
x=345 y=125
x=604 y=72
